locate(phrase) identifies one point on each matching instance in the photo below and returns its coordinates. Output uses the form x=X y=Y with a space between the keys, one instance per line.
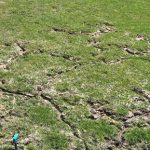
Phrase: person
x=15 y=138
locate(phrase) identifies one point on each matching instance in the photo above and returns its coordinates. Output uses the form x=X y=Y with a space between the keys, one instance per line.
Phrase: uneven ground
x=74 y=74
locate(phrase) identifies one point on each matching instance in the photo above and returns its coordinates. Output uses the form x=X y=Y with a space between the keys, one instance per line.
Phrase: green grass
x=98 y=129
x=138 y=135
x=72 y=71
x=40 y=115
x=56 y=141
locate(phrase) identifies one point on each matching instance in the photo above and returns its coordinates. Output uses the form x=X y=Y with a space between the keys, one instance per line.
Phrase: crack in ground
x=20 y=51
x=98 y=111
x=65 y=56
x=118 y=143
x=135 y=52
x=105 y=28
x=59 y=72
x=130 y=51
x=16 y=92
x=121 y=59
x=115 y=61
x=69 y=31
x=62 y=117
x=142 y=92
x=50 y=99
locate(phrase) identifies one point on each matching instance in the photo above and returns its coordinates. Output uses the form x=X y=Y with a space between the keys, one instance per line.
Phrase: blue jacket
x=15 y=137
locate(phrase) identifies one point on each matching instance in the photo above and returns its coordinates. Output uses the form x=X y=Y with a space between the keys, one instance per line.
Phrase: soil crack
x=20 y=51
x=16 y=92
x=62 y=117
x=135 y=52
x=142 y=92
x=65 y=56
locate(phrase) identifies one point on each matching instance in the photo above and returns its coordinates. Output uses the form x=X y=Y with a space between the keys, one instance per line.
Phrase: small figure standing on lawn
x=15 y=138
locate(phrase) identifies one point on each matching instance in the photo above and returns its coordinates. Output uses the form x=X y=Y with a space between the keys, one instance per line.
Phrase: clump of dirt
x=98 y=110
x=20 y=50
x=20 y=47
x=2 y=107
x=135 y=52
x=140 y=37
x=142 y=92
x=104 y=29
x=2 y=66
x=70 y=32
x=65 y=56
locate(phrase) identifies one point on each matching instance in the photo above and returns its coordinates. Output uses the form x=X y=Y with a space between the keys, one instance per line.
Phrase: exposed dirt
x=106 y=27
x=97 y=110
x=134 y=118
x=62 y=116
x=142 y=92
x=55 y=29
x=26 y=141
x=3 y=66
x=16 y=92
x=60 y=72
x=140 y=37
x=65 y=56
x=135 y=52
x=20 y=50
